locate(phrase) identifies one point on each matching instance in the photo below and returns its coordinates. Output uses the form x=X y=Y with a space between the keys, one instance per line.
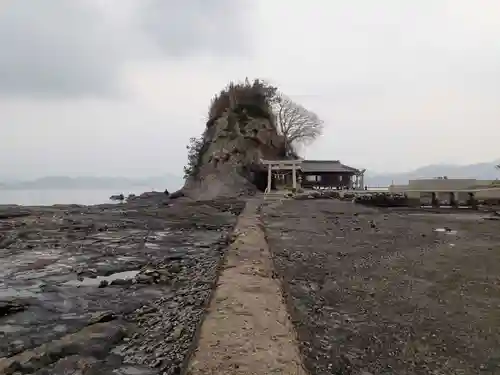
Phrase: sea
x=48 y=197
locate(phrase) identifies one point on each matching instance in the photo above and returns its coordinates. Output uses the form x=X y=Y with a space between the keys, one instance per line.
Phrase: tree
x=256 y=97
x=295 y=123
x=194 y=150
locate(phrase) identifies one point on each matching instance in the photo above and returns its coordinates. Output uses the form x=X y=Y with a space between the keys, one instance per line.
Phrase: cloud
x=56 y=48
x=398 y=83
x=210 y=26
x=78 y=48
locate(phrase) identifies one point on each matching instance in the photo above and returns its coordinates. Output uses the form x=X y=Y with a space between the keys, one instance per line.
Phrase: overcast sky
x=117 y=87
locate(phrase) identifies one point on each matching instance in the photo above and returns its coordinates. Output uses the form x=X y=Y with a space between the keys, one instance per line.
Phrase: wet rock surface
x=378 y=291
x=109 y=289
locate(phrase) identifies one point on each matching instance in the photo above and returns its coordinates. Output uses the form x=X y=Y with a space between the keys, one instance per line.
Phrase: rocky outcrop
x=234 y=142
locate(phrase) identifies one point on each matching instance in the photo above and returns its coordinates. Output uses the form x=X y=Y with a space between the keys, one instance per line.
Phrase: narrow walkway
x=247 y=329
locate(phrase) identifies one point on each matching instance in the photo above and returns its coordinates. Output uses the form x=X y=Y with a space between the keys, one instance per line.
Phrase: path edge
x=284 y=291
x=229 y=239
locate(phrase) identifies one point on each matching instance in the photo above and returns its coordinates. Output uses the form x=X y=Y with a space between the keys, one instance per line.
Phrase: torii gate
x=281 y=165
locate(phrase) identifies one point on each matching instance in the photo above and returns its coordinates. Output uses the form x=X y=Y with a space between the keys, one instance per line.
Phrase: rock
x=177 y=333
x=176 y=194
x=103 y=283
x=102 y=317
x=144 y=279
x=11 y=212
x=10 y=367
x=93 y=340
x=238 y=135
x=122 y=282
x=75 y=364
x=175 y=268
x=383 y=200
x=188 y=240
x=324 y=194
x=7 y=240
x=11 y=307
x=119 y=197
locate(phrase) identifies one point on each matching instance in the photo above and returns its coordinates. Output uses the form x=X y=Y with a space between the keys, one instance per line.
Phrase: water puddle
x=88 y=281
x=163 y=233
x=157 y=236
x=445 y=230
x=127 y=258
x=129 y=370
x=112 y=237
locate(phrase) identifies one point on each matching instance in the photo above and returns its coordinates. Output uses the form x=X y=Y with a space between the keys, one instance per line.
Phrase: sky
x=117 y=87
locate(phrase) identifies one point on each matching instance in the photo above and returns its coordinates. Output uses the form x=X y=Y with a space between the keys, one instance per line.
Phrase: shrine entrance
x=282 y=174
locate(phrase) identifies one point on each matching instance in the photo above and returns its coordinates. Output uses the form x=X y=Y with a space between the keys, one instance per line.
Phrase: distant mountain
x=480 y=171
x=170 y=182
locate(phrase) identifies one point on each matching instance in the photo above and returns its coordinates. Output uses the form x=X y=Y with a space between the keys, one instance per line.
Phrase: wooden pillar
x=269 y=178
x=454 y=199
x=472 y=201
x=294 y=176
x=435 y=200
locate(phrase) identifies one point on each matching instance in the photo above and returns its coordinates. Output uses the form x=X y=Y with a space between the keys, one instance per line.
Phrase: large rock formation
x=239 y=134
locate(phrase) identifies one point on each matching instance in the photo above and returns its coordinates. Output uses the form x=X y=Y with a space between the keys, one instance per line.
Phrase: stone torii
x=280 y=165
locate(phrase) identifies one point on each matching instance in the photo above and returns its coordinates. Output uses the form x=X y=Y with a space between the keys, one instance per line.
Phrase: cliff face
x=229 y=161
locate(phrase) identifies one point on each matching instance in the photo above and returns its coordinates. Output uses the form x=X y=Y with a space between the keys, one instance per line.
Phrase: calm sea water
x=47 y=197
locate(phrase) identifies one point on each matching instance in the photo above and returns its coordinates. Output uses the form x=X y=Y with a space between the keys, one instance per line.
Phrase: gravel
x=377 y=291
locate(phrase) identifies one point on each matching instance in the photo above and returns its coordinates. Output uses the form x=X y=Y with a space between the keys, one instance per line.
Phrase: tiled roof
x=326 y=166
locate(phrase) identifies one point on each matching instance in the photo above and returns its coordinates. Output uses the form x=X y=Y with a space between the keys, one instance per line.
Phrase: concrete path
x=247 y=329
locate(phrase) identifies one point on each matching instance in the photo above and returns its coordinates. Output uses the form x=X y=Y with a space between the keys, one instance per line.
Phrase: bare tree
x=297 y=124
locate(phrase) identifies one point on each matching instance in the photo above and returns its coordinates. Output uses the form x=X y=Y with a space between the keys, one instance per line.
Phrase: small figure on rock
x=166 y=192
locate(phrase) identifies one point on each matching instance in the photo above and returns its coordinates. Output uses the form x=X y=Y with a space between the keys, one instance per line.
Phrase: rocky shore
x=109 y=289
x=378 y=291
x=123 y=289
